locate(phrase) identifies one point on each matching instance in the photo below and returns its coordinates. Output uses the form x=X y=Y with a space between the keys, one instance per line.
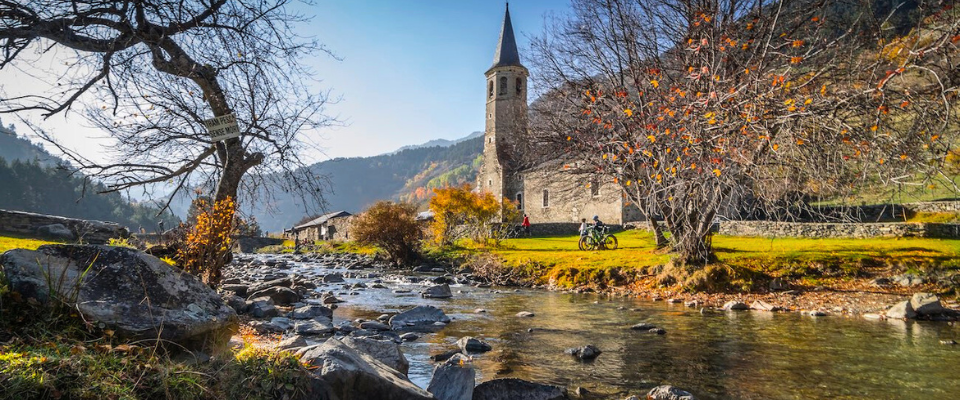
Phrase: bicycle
x=598 y=239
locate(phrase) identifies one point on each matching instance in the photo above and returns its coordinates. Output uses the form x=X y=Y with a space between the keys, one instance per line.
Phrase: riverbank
x=838 y=276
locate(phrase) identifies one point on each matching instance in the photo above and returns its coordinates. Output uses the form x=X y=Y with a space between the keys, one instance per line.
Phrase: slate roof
x=507 y=54
x=321 y=219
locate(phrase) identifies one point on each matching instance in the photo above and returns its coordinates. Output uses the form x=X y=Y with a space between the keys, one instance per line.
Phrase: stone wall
x=249 y=244
x=562 y=229
x=569 y=198
x=87 y=231
x=881 y=212
x=838 y=230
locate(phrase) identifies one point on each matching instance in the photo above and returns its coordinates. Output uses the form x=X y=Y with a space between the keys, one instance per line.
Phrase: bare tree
x=149 y=72
x=697 y=108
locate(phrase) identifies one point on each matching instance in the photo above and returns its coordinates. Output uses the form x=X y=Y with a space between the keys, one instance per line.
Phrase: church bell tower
x=506 y=118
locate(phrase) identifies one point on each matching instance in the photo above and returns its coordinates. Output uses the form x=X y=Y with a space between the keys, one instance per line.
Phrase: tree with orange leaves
x=701 y=108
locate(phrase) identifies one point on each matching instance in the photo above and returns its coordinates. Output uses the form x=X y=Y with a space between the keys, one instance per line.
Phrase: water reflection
x=715 y=355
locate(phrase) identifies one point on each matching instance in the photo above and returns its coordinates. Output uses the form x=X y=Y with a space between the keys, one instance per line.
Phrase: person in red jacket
x=526 y=225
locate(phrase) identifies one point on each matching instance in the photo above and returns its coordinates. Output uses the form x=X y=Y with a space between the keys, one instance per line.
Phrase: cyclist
x=597 y=223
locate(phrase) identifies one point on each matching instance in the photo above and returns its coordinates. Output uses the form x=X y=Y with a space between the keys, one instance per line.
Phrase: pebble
x=948 y=341
x=525 y=314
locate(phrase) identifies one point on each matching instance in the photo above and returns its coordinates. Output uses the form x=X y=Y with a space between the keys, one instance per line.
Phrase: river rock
x=643 y=326
x=133 y=293
x=56 y=231
x=525 y=314
x=237 y=303
x=437 y=292
x=280 y=295
x=385 y=351
x=329 y=298
x=926 y=304
x=761 y=305
x=901 y=310
x=374 y=325
x=311 y=311
x=238 y=289
x=317 y=326
x=283 y=281
x=585 y=353
x=409 y=337
x=418 y=317
x=262 y=307
x=667 y=392
x=292 y=343
x=352 y=375
x=734 y=305
x=907 y=280
x=453 y=380
x=473 y=345
x=517 y=389
x=332 y=278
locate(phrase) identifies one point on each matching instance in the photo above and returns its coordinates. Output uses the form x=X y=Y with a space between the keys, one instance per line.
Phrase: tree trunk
x=661 y=241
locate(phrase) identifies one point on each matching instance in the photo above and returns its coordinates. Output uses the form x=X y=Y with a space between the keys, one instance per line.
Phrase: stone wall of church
x=569 y=199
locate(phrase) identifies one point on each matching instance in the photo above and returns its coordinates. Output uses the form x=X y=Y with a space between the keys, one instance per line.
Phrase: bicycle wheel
x=582 y=243
x=610 y=242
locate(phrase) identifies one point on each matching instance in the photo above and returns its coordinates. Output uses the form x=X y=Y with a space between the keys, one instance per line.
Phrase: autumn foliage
x=746 y=109
x=392 y=227
x=207 y=246
x=461 y=212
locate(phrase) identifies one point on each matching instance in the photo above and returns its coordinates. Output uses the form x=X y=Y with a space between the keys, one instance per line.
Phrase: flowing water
x=713 y=354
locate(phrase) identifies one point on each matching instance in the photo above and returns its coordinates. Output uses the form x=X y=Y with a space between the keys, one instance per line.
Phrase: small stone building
x=331 y=226
x=546 y=193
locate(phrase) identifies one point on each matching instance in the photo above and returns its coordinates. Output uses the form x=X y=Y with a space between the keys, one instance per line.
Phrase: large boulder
x=667 y=392
x=926 y=304
x=56 y=231
x=437 y=292
x=901 y=310
x=517 y=389
x=312 y=311
x=385 y=351
x=419 y=318
x=453 y=380
x=352 y=375
x=135 y=294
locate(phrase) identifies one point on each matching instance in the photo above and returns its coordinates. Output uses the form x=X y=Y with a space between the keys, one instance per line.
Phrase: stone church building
x=545 y=193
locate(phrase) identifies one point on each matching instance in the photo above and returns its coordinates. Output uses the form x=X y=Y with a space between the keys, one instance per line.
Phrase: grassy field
x=559 y=259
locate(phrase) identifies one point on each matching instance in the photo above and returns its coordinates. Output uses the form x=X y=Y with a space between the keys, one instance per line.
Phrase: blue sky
x=412 y=71
x=409 y=72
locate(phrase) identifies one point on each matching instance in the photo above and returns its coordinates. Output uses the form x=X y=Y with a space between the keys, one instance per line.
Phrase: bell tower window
x=490 y=90
x=519 y=85
x=503 y=85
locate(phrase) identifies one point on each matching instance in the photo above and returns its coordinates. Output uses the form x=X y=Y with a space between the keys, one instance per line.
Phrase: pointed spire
x=507 y=54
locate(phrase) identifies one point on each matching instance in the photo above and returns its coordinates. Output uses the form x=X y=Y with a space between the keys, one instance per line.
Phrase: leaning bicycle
x=598 y=239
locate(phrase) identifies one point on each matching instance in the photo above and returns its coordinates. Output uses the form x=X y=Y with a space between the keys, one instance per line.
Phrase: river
x=713 y=354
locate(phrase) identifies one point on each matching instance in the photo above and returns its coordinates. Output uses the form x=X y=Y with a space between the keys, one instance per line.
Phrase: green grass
x=558 y=258
x=18 y=242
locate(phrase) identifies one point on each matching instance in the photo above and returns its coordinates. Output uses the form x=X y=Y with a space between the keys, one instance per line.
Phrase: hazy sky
x=411 y=71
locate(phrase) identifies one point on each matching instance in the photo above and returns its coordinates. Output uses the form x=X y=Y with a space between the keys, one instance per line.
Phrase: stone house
x=546 y=193
x=331 y=226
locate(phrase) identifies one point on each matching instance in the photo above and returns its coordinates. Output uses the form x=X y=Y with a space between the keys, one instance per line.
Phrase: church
x=545 y=193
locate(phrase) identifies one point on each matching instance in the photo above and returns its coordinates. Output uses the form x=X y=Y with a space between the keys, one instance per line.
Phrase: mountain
x=33 y=182
x=408 y=174
x=441 y=142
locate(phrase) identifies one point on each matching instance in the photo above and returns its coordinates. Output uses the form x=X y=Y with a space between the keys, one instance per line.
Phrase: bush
x=392 y=227
x=461 y=212
x=207 y=246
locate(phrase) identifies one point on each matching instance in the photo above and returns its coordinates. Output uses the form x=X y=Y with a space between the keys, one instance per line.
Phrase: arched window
x=546 y=198
x=519 y=85
x=490 y=89
x=503 y=85
x=519 y=201
x=490 y=183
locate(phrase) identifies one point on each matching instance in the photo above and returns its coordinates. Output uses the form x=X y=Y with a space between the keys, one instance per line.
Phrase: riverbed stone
x=585 y=353
x=409 y=337
x=761 y=305
x=418 y=317
x=901 y=310
x=643 y=326
x=470 y=344
x=332 y=278
x=374 y=325
x=352 y=375
x=385 y=351
x=262 y=307
x=317 y=326
x=329 y=298
x=667 y=392
x=926 y=304
x=311 y=311
x=735 y=305
x=280 y=295
x=907 y=280
x=525 y=314
x=453 y=380
x=517 y=389
x=292 y=343
x=437 y=292
x=130 y=292
x=56 y=231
